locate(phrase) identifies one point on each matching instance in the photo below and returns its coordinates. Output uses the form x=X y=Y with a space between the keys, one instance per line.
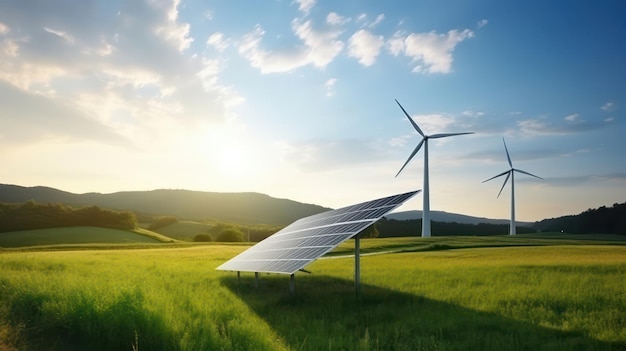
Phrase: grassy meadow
x=79 y=235
x=561 y=293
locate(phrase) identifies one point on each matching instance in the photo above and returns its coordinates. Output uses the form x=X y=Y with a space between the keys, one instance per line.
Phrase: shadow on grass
x=87 y=325
x=325 y=314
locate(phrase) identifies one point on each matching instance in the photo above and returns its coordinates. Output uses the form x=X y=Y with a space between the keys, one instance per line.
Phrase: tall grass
x=515 y=298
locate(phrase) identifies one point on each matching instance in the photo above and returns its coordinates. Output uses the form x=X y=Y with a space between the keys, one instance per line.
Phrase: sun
x=226 y=152
x=232 y=161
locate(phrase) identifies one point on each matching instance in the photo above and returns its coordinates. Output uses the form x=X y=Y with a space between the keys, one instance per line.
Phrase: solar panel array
x=309 y=238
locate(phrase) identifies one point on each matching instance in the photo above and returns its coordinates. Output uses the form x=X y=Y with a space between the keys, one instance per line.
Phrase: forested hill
x=600 y=220
x=184 y=204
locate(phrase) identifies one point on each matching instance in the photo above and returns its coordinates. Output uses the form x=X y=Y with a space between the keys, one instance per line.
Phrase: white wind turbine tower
x=426 y=193
x=510 y=173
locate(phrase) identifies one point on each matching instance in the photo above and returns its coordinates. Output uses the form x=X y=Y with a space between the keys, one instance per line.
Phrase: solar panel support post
x=256 y=279
x=238 y=276
x=357 y=265
x=292 y=283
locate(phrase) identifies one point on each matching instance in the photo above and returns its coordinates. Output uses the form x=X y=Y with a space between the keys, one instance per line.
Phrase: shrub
x=202 y=238
x=230 y=235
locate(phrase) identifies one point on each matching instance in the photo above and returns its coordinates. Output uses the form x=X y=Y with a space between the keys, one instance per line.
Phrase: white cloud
x=533 y=127
x=430 y=52
x=609 y=120
x=330 y=85
x=609 y=106
x=305 y=6
x=4 y=29
x=434 y=122
x=365 y=46
x=482 y=23
x=171 y=29
x=320 y=48
x=61 y=34
x=127 y=74
x=362 y=18
x=395 y=45
x=323 y=46
x=377 y=21
x=218 y=42
x=469 y=113
x=268 y=61
x=545 y=126
x=335 y=19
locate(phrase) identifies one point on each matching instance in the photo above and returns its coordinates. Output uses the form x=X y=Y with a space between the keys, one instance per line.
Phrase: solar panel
x=309 y=238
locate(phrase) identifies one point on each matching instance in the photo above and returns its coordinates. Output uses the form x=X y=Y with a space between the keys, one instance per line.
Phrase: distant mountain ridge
x=256 y=208
x=441 y=216
x=184 y=204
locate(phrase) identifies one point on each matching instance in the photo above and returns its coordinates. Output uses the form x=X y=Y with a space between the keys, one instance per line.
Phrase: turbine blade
x=506 y=180
x=417 y=148
x=494 y=177
x=507 y=153
x=532 y=175
x=411 y=120
x=444 y=135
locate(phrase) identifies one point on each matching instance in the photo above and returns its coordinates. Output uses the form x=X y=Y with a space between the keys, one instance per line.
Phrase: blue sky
x=295 y=99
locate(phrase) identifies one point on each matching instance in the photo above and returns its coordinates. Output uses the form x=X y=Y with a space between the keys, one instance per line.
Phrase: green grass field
x=78 y=235
x=547 y=297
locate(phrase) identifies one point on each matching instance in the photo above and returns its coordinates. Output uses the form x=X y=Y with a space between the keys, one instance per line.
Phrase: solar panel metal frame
x=307 y=239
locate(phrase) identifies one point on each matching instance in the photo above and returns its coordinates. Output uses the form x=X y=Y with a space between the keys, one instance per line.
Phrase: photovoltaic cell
x=309 y=238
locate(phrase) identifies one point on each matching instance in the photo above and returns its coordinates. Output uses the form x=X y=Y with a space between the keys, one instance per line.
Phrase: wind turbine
x=426 y=193
x=510 y=173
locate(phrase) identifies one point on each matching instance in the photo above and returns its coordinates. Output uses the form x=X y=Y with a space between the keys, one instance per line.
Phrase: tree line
x=388 y=228
x=606 y=220
x=229 y=232
x=32 y=215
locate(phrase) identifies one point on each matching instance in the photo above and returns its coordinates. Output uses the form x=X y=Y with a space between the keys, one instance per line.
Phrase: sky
x=295 y=99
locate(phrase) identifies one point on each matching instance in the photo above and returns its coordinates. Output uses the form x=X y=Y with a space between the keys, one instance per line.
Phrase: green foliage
x=32 y=215
x=162 y=221
x=509 y=298
x=601 y=220
x=230 y=235
x=185 y=230
x=389 y=228
x=258 y=232
x=202 y=238
x=370 y=232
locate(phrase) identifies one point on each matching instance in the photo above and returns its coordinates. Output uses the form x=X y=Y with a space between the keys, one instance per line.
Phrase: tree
x=230 y=235
x=370 y=232
x=202 y=238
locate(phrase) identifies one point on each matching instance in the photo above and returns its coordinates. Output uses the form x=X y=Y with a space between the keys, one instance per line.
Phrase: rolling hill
x=256 y=208
x=78 y=235
x=184 y=204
